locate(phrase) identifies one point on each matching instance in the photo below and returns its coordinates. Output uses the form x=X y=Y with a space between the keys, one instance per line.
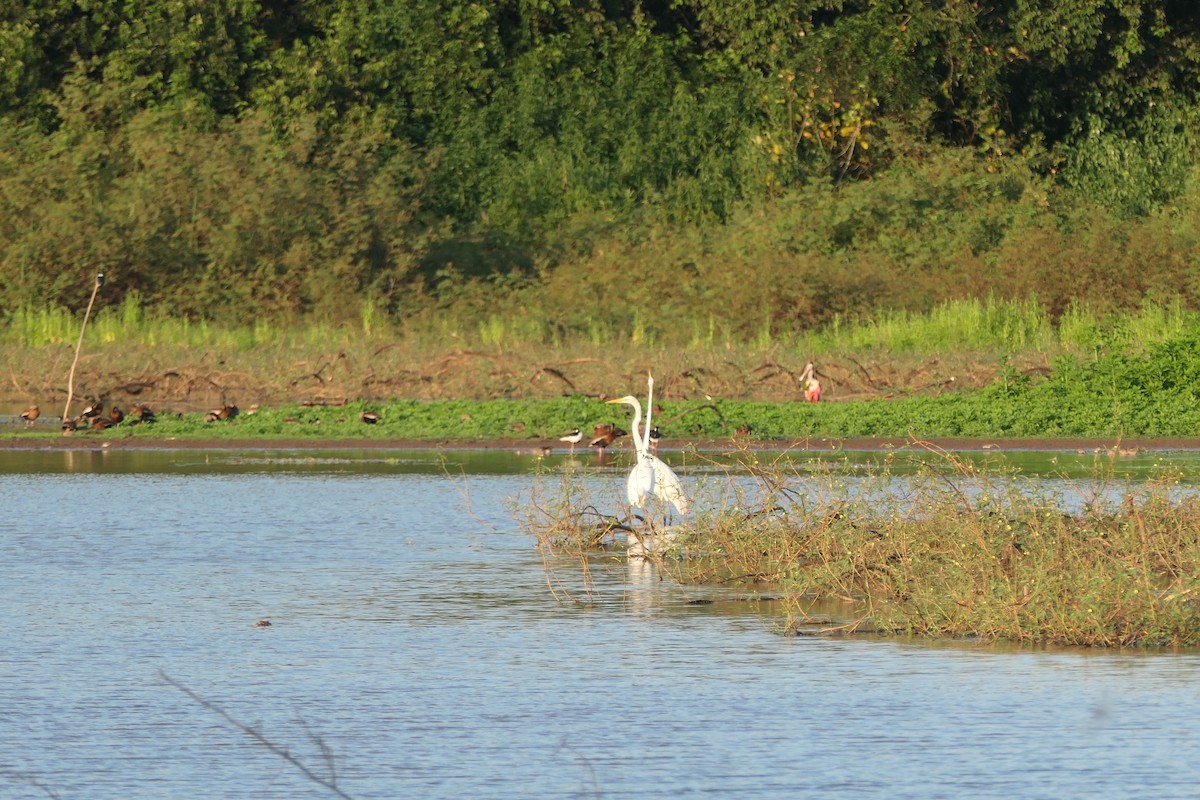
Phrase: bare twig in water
x=329 y=783
x=31 y=780
x=587 y=765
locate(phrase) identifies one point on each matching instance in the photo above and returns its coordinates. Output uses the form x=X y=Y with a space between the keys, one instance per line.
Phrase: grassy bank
x=952 y=550
x=1145 y=389
x=898 y=374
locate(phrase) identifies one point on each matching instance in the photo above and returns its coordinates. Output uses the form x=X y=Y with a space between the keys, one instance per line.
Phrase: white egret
x=650 y=475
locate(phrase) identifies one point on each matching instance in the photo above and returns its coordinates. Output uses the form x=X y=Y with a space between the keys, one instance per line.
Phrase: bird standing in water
x=650 y=475
x=604 y=435
x=573 y=438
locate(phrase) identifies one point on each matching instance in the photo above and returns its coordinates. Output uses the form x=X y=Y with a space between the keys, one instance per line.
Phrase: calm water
x=415 y=641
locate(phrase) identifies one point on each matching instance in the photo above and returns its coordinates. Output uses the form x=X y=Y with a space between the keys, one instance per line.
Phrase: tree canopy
x=225 y=155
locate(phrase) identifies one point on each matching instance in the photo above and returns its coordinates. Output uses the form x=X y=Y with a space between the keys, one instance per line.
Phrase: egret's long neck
x=649 y=411
x=637 y=418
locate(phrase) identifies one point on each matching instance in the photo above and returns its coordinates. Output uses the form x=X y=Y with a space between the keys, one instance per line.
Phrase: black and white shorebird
x=573 y=438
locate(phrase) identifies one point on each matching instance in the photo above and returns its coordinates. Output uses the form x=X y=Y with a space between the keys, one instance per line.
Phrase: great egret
x=812 y=387
x=650 y=475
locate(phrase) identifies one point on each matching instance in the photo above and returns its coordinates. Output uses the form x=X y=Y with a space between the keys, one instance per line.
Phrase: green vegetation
x=688 y=174
x=1120 y=376
x=961 y=550
x=1148 y=392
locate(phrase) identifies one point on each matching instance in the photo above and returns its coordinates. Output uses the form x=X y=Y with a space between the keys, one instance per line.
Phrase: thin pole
x=79 y=346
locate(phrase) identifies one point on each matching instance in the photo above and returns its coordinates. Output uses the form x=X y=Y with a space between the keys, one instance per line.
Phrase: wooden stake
x=79 y=346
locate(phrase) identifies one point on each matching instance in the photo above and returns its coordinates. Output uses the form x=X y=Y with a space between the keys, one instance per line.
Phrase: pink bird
x=812 y=387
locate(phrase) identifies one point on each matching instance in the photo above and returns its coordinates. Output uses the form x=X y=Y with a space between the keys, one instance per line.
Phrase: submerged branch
x=329 y=783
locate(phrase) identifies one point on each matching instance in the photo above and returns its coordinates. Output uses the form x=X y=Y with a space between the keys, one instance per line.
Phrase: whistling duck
x=92 y=409
x=140 y=413
x=226 y=412
x=116 y=415
x=30 y=414
x=605 y=434
x=369 y=417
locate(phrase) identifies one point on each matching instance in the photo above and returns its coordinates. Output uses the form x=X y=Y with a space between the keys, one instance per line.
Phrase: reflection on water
x=414 y=635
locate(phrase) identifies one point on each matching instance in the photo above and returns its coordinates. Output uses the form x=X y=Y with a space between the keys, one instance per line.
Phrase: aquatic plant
x=954 y=549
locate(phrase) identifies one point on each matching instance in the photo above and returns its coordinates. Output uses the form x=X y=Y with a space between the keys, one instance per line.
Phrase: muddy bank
x=86 y=441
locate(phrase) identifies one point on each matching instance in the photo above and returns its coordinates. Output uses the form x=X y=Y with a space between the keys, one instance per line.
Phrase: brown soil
x=196 y=383
x=1122 y=448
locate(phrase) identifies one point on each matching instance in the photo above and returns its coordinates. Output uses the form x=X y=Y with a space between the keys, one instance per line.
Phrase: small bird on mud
x=369 y=417
x=30 y=414
x=604 y=435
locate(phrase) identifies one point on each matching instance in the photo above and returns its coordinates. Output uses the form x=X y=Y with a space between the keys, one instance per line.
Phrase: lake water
x=415 y=650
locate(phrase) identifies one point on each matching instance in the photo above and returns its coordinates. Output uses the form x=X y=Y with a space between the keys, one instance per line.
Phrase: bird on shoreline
x=116 y=415
x=369 y=417
x=92 y=409
x=31 y=414
x=812 y=387
x=226 y=412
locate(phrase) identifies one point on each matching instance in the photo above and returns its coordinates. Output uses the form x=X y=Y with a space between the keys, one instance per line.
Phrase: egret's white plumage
x=650 y=475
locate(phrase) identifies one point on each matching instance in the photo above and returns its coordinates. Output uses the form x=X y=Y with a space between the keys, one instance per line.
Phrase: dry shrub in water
x=564 y=515
x=928 y=543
